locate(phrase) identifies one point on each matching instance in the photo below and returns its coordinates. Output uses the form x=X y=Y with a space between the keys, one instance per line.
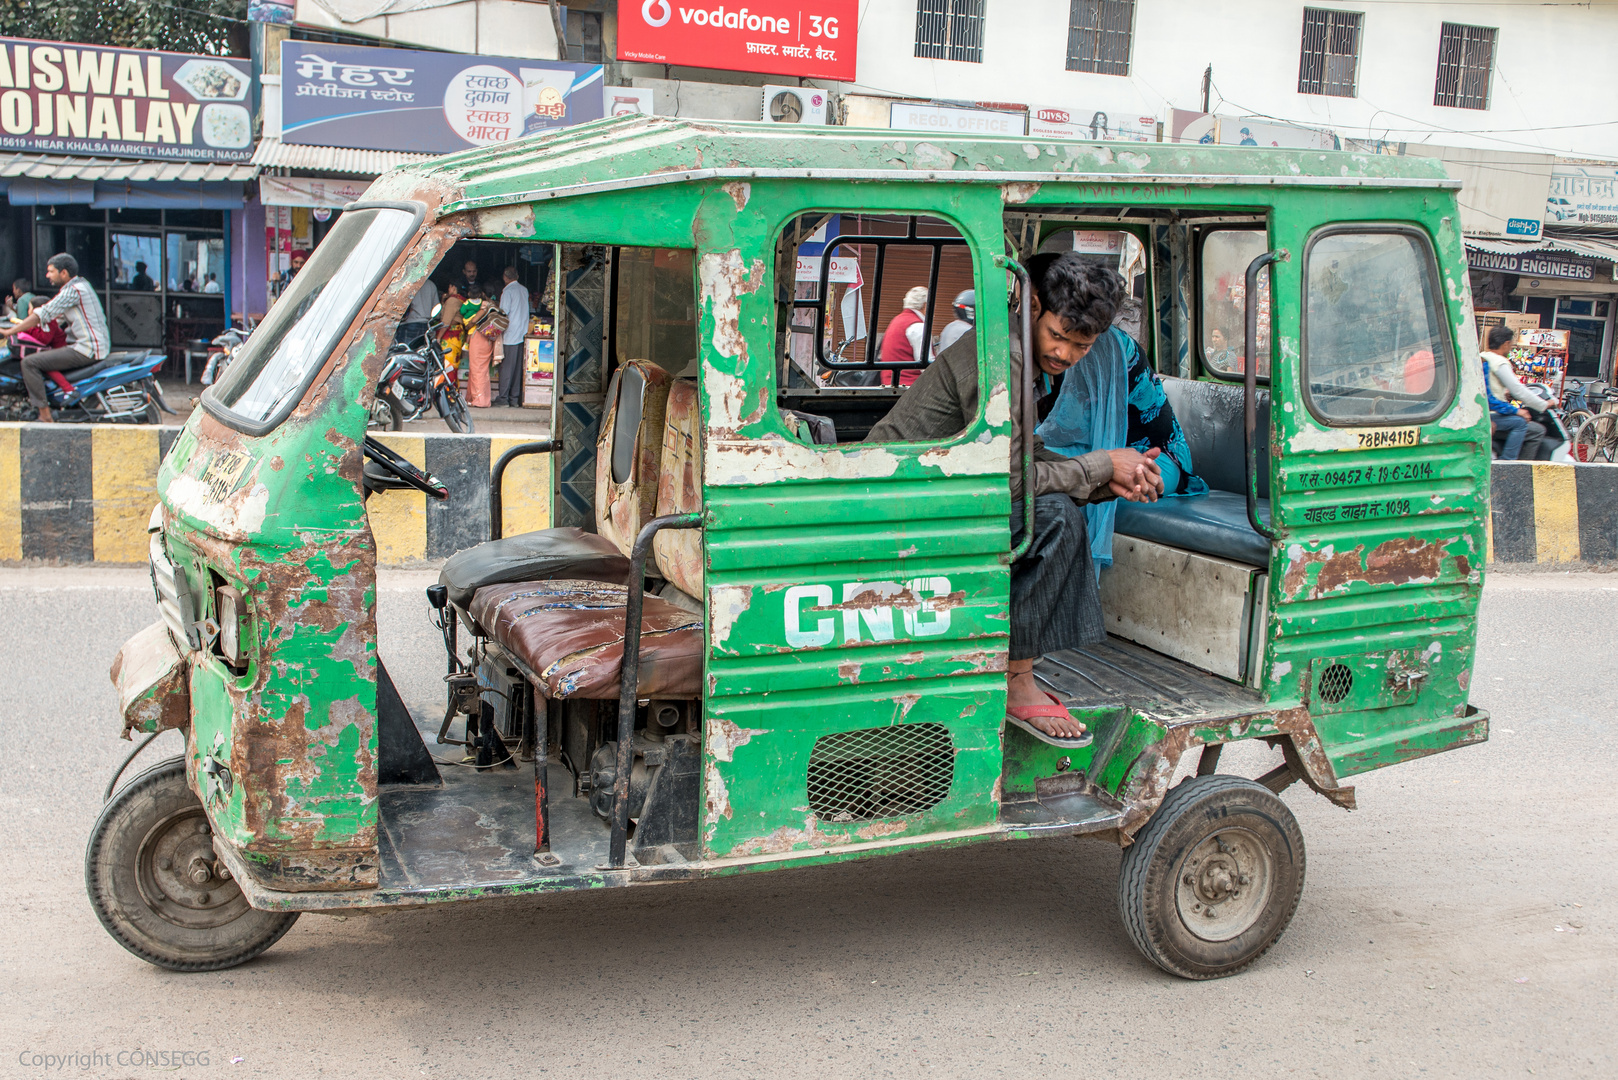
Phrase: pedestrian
x=468 y=278
x=903 y=341
x=966 y=307
x=142 y=281
x=419 y=315
x=213 y=284
x=76 y=304
x=514 y=302
x=479 y=347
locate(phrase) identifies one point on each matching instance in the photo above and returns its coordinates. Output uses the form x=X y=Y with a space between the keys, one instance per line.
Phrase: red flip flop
x=1021 y=716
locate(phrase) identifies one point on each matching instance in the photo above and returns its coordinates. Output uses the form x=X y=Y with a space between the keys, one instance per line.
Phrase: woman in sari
x=479 y=350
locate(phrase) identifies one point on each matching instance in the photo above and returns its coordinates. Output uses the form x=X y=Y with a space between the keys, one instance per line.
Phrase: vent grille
x=880 y=772
x=1335 y=683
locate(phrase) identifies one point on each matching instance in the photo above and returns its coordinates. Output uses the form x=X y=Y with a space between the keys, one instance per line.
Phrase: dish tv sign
x=775 y=37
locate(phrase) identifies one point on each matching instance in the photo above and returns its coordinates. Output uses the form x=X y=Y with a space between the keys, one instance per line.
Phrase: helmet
x=966 y=306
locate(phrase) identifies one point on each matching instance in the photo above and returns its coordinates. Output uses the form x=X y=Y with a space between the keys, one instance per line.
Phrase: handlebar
x=1250 y=389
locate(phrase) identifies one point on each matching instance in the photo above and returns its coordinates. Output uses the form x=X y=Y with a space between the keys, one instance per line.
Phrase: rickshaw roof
x=646 y=151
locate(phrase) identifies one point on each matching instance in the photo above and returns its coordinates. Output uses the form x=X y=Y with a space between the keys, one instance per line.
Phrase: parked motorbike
x=223 y=350
x=123 y=388
x=413 y=380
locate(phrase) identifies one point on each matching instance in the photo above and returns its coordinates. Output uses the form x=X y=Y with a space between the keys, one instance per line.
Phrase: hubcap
x=1224 y=884
x=180 y=878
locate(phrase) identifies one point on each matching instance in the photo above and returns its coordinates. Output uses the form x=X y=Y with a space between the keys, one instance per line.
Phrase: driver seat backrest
x=629 y=451
x=1210 y=414
x=679 y=490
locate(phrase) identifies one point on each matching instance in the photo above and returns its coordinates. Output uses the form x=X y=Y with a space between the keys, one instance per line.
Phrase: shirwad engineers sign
x=426 y=102
x=61 y=98
x=774 y=37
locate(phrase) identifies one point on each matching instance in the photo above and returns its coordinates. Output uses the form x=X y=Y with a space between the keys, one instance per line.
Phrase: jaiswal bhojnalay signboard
x=62 y=98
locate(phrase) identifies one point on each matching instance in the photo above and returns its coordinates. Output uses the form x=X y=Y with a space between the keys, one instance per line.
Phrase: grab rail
x=497 y=478
x=1250 y=389
x=1029 y=417
x=629 y=676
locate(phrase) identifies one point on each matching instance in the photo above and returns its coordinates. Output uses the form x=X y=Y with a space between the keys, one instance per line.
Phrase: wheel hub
x=180 y=877
x=1224 y=885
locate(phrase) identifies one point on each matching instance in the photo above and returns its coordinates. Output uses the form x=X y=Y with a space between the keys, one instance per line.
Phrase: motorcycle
x=1557 y=445
x=415 y=379
x=123 y=388
x=223 y=350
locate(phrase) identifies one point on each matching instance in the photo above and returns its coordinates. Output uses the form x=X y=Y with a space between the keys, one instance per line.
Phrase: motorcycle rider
x=79 y=310
x=1525 y=438
x=966 y=307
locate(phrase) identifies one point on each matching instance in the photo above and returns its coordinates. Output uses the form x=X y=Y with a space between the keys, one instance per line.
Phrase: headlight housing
x=228 y=609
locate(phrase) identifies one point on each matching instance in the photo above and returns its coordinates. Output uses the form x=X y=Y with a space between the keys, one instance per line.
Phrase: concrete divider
x=1553 y=515
x=83 y=494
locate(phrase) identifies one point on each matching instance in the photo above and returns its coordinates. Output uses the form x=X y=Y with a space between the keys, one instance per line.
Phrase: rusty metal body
x=847 y=590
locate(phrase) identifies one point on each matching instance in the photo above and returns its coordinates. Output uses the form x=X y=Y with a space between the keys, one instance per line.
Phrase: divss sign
x=776 y=37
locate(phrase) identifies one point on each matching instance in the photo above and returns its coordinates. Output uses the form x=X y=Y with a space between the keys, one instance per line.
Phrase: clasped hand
x=1136 y=476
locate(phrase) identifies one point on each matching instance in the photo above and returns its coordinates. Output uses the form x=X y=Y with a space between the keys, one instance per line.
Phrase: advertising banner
x=1583 y=195
x=814 y=38
x=315 y=192
x=61 y=98
x=1055 y=122
x=426 y=102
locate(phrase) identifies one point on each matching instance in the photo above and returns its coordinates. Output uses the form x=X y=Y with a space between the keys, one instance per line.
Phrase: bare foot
x=45 y=417
x=1022 y=692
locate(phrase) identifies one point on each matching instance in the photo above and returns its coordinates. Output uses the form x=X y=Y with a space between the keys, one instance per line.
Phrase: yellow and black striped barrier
x=83 y=494
x=72 y=494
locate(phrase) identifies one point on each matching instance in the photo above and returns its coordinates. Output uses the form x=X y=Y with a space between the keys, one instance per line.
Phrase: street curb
x=1553 y=515
x=83 y=494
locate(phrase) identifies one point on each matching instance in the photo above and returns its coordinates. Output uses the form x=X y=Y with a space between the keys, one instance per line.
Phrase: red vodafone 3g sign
x=775 y=37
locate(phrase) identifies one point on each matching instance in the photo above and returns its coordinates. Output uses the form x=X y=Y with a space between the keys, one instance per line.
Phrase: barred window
x=1330 y=59
x=950 y=30
x=1465 y=66
x=1098 y=36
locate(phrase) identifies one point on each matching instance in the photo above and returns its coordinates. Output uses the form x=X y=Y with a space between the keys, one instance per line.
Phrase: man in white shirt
x=1525 y=438
x=419 y=315
x=78 y=309
x=514 y=302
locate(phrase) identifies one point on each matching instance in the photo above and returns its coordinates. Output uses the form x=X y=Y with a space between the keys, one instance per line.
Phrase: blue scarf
x=1092 y=413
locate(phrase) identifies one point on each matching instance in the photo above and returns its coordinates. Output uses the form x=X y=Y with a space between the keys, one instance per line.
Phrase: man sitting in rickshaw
x=1115 y=442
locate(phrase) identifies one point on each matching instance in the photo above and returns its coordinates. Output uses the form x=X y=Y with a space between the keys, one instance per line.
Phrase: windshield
x=271 y=371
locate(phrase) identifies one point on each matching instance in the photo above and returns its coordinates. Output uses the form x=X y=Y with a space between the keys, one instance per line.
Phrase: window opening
x=1225 y=256
x=1465 y=66
x=1329 y=60
x=1098 y=36
x=1375 y=348
x=950 y=30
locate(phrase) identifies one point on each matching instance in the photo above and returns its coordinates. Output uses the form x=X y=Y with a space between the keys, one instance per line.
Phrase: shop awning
x=275 y=154
x=64 y=167
x=1586 y=247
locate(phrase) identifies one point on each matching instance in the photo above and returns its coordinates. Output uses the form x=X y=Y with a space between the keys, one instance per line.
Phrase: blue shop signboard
x=426 y=102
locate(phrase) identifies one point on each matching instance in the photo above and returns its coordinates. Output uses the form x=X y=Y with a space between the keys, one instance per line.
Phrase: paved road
x=1464 y=922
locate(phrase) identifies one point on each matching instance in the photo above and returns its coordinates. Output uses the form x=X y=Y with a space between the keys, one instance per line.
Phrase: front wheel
x=452 y=407
x=1213 y=878
x=386 y=412
x=159 y=889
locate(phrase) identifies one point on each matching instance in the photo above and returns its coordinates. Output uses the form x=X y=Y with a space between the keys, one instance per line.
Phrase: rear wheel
x=1597 y=438
x=1213 y=878
x=386 y=412
x=157 y=886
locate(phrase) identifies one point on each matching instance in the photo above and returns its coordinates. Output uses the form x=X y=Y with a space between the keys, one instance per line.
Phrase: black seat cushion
x=1213 y=524
x=534 y=556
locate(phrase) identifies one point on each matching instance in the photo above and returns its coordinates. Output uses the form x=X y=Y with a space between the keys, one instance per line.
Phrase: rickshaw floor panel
x=1118 y=674
x=478 y=828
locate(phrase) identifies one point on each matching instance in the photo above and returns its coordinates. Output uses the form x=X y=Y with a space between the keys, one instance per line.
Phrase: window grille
x=950 y=30
x=1098 y=36
x=1465 y=65
x=1330 y=58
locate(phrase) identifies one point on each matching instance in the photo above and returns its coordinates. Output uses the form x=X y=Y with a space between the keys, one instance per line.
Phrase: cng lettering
x=873 y=611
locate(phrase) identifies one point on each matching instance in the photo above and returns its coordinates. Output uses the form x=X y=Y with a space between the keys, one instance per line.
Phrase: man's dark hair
x=24 y=284
x=1084 y=295
x=64 y=262
x=1498 y=336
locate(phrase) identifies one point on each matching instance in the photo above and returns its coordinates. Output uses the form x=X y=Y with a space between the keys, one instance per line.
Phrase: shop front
x=134 y=162
x=1569 y=284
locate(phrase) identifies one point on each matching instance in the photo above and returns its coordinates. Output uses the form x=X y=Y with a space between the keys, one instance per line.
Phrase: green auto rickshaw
x=751 y=640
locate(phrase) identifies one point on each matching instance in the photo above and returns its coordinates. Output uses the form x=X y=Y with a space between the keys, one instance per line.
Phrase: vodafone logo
x=649 y=6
